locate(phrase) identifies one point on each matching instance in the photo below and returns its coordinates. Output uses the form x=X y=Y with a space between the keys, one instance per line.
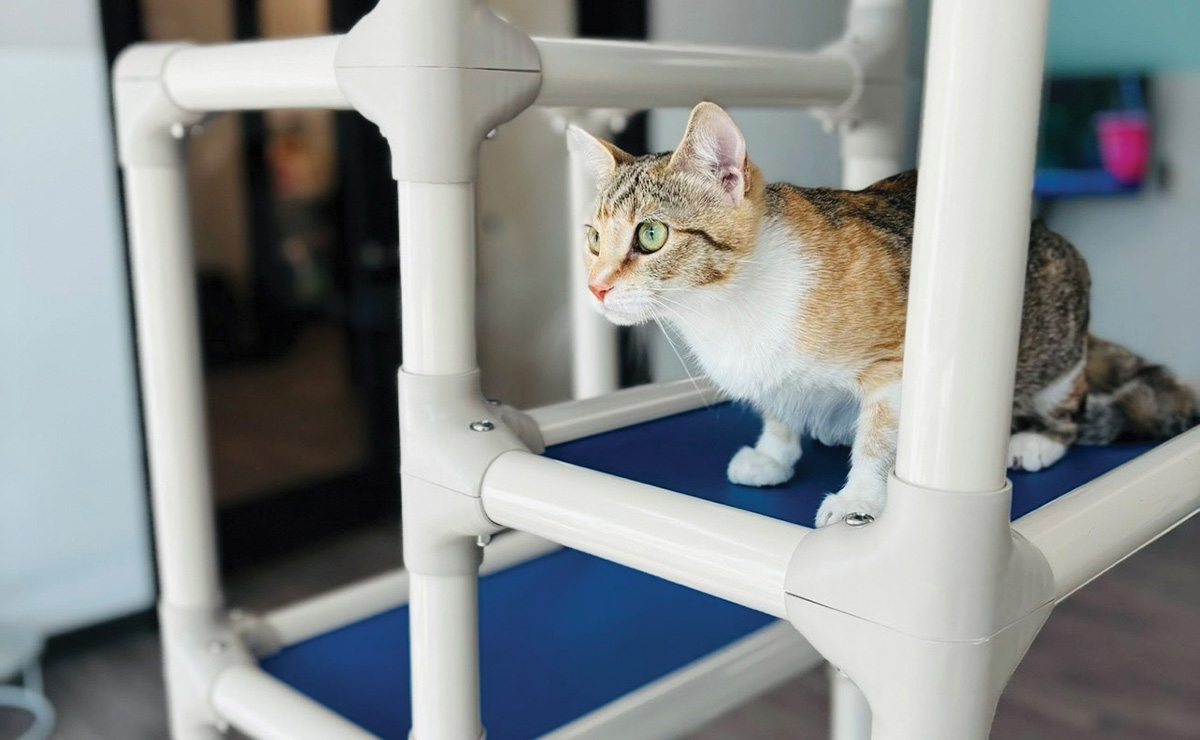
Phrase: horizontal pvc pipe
x=256 y=75
x=734 y=554
x=690 y=697
x=299 y=73
x=305 y=619
x=563 y=422
x=1099 y=524
x=578 y=72
x=266 y=709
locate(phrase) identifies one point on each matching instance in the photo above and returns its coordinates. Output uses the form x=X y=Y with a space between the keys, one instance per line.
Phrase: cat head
x=669 y=229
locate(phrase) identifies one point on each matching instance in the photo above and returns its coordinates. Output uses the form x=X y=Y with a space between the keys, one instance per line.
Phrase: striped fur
x=793 y=300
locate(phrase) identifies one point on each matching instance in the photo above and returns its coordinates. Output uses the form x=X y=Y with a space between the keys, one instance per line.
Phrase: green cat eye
x=593 y=240
x=651 y=235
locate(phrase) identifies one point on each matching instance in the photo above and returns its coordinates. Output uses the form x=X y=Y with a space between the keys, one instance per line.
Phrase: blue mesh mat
x=567 y=633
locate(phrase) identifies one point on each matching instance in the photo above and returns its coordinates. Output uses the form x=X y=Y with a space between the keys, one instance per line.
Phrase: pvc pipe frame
x=955 y=442
x=299 y=73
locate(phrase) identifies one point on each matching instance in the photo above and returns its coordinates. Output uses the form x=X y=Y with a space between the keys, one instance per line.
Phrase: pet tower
x=680 y=595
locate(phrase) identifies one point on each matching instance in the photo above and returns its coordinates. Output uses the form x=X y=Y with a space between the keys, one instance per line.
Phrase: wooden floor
x=1119 y=660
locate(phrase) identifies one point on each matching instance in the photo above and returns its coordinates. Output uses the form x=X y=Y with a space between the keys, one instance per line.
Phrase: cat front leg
x=871 y=457
x=771 y=461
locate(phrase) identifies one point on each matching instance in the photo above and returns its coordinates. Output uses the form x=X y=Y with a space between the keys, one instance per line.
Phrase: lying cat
x=793 y=300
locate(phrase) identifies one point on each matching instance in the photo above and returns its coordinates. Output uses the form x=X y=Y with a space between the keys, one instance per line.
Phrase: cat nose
x=599 y=290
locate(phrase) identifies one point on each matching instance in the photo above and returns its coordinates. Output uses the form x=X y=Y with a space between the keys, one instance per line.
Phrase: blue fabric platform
x=567 y=633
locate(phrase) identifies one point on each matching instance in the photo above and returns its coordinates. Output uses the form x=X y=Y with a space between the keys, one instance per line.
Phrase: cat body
x=794 y=301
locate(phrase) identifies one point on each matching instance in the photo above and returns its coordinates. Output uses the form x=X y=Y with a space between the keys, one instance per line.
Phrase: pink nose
x=599 y=291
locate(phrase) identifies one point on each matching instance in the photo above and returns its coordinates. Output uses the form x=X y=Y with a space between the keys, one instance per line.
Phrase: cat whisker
x=682 y=362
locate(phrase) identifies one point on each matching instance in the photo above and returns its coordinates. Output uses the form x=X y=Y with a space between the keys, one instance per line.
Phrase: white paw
x=1032 y=451
x=849 y=500
x=749 y=467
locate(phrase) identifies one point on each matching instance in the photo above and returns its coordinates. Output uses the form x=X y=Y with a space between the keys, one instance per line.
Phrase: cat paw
x=849 y=500
x=749 y=467
x=1032 y=451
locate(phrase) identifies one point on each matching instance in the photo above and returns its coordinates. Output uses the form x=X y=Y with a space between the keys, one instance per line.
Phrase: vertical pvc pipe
x=849 y=713
x=982 y=89
x=444 y=630
x=172 y=387
x=595 y=358
x=437 y=277
x=871 y=149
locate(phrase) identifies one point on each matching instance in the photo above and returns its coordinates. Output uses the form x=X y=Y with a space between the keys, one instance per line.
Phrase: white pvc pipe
x=172 y=386
x=264 y=708
x=256 y=75
x=871 y=148
x=983 y=82
x=563 y=422
x=444 y=635
x=849 y=712
x=437 y=277
x=693 y=695
x=577 y=72
x=305 y=619
x=595 y=358
x=299 y=73
x=1102 y=522
x=734 y=554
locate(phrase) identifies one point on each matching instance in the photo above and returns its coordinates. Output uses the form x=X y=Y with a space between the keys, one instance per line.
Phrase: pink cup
x=1124 y=138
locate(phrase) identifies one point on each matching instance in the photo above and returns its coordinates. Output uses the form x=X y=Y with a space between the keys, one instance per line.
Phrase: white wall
x=1144 y=250
x=74 y=539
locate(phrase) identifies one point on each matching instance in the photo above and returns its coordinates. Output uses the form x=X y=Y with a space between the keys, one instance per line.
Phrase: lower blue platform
x=567 y=633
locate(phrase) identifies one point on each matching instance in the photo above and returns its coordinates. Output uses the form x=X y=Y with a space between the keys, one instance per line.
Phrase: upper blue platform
x=567 y=633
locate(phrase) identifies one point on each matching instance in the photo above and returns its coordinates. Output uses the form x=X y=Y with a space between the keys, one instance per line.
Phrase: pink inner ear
x=731 y=181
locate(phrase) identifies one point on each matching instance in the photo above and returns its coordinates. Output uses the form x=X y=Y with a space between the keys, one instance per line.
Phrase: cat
x=793 y=300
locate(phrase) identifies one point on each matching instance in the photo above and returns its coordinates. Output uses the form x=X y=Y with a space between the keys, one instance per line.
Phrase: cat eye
x=593 y=240
x=651 y=236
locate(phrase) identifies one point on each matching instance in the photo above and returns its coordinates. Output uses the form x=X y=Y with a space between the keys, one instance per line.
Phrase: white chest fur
x=745 y=337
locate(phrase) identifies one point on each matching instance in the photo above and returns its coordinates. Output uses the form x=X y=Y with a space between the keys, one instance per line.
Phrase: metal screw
x=483 y=540
x=178 y=131
x=482 y=425
x=491 y=134
x=493 y=402
x=857 y=519
x=217 y=646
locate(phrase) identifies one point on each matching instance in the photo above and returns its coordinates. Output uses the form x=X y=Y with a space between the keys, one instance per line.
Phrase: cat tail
x=1130 y=398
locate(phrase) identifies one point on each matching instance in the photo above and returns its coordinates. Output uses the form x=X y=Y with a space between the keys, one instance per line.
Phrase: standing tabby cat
x=793 y=300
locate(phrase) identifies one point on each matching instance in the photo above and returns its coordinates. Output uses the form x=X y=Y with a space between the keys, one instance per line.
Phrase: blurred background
x=295 y=235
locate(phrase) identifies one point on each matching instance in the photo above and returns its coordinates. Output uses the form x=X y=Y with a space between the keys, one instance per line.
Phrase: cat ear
x=601 y=157
x=713 y=146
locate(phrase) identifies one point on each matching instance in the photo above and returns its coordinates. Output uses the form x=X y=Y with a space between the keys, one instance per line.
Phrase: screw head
x=178 y=130
x=493 y=401
x=483 y=540
x=483 y=425
x=857 y=519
